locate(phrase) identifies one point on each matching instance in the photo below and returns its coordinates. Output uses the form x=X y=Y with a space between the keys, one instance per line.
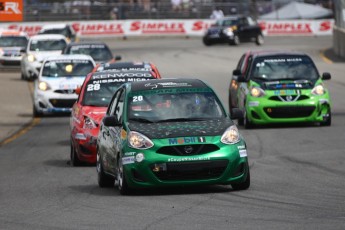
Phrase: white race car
x=12 y=45
x=39 y=48
x=54 y=89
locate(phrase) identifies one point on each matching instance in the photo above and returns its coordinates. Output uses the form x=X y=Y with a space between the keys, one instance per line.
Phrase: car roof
x=47 y=36
x=54 y=26
x=81 y=43
x=70 y=57
x=168 y=83
x=264 y=53
x=12 y=33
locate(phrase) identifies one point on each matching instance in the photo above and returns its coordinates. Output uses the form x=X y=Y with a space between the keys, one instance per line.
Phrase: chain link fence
x=64 y=10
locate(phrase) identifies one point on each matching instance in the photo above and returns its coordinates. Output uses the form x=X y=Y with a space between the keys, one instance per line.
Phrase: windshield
x=99 y=93
x=227 y=22
x=175 y=106
x=47 y=45
x=97 y=52
x=10 y=41
x=67 y=68
x=284 y=68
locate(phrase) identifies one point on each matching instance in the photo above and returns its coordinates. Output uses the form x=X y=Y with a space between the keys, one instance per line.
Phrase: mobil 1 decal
x=186 y=140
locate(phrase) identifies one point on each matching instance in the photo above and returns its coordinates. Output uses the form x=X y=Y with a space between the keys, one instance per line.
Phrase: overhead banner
x=11 y=10
x=178 y=27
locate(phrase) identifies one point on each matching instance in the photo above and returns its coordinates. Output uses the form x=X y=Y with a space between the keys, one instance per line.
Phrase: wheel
x=121 y=179
x=244 y=185
x=259 y=40
x=74 y=157
x=206 y=41
x=36 y=113
x=235 y=41
x=328 y=122
x=246 y=123
x=103 y=179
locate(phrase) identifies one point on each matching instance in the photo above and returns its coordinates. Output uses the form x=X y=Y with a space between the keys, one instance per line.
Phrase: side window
x=119 y=107
x=112 y=104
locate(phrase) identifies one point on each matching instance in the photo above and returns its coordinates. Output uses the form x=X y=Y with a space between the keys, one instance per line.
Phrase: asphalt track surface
x=297 y=171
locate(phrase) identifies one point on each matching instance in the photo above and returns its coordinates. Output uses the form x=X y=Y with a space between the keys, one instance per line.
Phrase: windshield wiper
x=182 y=119
x=140 y=119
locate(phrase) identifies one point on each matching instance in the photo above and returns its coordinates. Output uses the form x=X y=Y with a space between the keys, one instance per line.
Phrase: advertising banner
x=11 y=10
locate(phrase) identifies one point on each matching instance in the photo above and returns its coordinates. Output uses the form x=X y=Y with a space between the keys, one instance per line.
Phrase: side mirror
x=22 y=50
x=110 y=121
x=78 y=90
x=118 y=58
x=326 y=76
x=237 y=72
x=236 y=113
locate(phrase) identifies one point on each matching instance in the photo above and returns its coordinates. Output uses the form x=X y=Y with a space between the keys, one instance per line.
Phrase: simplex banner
x=188 y=27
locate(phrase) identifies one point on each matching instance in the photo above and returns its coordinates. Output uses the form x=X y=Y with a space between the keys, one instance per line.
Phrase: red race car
x=88 y=111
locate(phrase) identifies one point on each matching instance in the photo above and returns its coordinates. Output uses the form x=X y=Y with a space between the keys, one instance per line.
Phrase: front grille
x=287 y=98
x=289 y=111
x=65 y=91
x=62 y=103
x=12 y=55
x=201 y=170
x=187 y=150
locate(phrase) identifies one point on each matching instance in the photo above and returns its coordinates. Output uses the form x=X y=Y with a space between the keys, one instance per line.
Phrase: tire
x=235 y=41
x=259 y=40
x=35 y=112
x=246 y=123
x=206 y=41
x=121 y=179
x=74 y=157
x=328 y=122
x=244 y=185
x=104 y=181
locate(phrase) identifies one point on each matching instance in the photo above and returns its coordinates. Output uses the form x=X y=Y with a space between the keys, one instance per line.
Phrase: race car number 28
x=94 y=87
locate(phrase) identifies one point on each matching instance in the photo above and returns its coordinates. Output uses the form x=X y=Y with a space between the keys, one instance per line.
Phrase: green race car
x=279 y=87
x=170 y=132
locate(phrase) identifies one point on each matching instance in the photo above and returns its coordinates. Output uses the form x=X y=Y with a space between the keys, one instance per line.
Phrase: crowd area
x=44 y=10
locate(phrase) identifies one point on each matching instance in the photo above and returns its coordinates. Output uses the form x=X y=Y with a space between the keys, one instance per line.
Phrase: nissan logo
x=188 y=149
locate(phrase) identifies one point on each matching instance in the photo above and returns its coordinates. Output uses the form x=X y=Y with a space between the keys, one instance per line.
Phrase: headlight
x=318 y=90
x=228 y=31
x=31 y=58
x=2 y=52
x=89 y=123
x=139 y=141
x=257 y=92
x=231 y=135
x=43 y=86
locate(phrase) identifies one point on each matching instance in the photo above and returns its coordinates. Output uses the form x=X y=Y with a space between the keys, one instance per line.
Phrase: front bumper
x=224 y=166
x=264 y=111
x=10 y=60
x=85 y=144
x=50 y=102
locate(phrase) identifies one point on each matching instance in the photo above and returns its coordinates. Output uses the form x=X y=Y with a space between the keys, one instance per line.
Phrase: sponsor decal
x=253 y=103
x=129 y=154
x=242 y=152
x=182 y=159
x=287 y=27
x=201 y=25
x=186 y=140
x=152 y=27
x=128 y=160
x=166 y=85
x=11 y=10
x=123 y=75
x=91 y=28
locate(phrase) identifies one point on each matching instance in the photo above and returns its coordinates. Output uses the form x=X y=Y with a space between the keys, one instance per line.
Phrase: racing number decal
x=94 y=87
x=137 y=98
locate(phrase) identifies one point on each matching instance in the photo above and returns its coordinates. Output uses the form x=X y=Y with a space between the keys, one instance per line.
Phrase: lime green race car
x=170 y=132
x=279 y=87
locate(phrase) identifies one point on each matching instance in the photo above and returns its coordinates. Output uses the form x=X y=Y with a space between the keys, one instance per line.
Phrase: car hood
x=215 y=127
x=287 y=84
x=41 y=55
x=63 y=83
x=95 y=113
